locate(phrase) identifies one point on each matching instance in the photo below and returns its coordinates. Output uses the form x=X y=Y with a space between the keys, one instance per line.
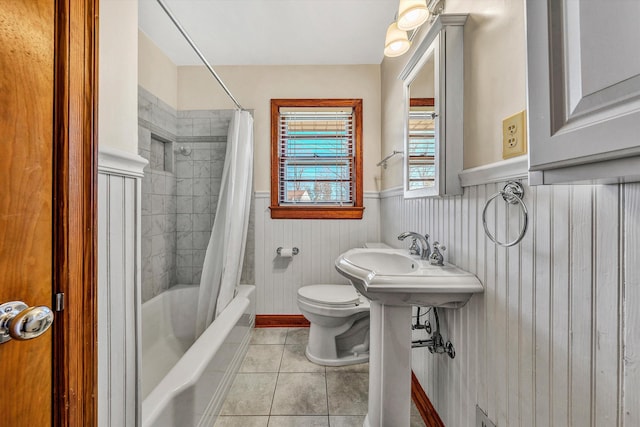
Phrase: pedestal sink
x=394 y=281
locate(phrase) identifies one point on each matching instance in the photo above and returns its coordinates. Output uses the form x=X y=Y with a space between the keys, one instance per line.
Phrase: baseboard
x=281 y=321
x=423 y=404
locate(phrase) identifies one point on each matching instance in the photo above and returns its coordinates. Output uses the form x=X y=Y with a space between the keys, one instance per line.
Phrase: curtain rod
x=195 y=48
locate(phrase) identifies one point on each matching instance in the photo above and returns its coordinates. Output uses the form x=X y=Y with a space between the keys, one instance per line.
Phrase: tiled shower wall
x=186 y=151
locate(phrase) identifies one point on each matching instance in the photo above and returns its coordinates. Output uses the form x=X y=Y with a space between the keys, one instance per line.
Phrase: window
x=316 y=158
x=422 y=143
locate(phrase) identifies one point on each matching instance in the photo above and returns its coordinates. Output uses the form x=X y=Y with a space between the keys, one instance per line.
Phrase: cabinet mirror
x=433 y=83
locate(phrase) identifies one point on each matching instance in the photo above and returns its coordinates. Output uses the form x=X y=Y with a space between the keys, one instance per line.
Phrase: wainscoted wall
x=320 y=242
x=555 y=338
x=119 y=278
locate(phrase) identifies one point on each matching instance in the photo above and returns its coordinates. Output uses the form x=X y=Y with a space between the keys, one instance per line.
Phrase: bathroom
x=552 y=339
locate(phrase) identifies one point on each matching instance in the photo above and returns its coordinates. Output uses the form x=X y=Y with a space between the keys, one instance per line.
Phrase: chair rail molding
x=119 y=162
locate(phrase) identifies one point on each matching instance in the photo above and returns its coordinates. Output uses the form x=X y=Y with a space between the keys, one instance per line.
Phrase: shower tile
x=347 y=393
x=157 y=244
x=201 y=222
x=297 y=421
x=217 y=166
x=201 y=154
x=171 y=223
x=268 y=335
x=300 y=394
x=250 y=394
x=184 y=275
x=202 y=205
x=184 y=222
x=185 y=127
x=346 y=421
x=184 y=239
x=146 y=247
x=144 y=139
x=146 y=224
x=198 y=257
x=184 y=168
x=241 y=421
x=171 y=184
x=294 y=360
x=201 y=169
x=201 y=239
x=144 y=109
x=157 y=204
x=197 y=275
x=184 y=187
x=262 y=358
x=215 y=187
x=297 y=336
x=201 y=187
x=157 y=224
x=201 y=127
x=218 y=150
x=184 y=204
x=170 y=204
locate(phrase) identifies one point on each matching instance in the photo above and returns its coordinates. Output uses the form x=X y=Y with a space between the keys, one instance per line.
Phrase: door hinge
x=59 y=306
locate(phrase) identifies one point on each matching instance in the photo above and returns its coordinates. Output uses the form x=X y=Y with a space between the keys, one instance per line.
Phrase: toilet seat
x=330 y=295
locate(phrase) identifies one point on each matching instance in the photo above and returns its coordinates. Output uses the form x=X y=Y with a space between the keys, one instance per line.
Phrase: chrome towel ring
x=512 y=193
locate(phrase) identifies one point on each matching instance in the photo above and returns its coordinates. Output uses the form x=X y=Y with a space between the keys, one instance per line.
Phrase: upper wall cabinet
x=433 y=82
x=583 y=91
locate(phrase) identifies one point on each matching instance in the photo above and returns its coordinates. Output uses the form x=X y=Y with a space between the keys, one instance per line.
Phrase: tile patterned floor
x=278 y=387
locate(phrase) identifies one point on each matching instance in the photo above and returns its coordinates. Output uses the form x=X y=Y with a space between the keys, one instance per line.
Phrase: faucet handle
x=436 y=257
x=414 y=249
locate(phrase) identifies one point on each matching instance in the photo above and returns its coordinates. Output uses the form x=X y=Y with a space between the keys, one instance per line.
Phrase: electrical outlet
x=482 y=420
x=514 y=136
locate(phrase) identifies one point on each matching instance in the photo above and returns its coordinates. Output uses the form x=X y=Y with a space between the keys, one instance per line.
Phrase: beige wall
x=254 y=86
x=156 y=72
x=118 y=75
x=495 y=55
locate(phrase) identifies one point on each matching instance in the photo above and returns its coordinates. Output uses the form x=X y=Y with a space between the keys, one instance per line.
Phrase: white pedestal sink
x=395 y=281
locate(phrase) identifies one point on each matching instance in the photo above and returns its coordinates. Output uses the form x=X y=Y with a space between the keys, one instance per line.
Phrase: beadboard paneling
x=555 y=338
x=320 y=243
x=118 y=297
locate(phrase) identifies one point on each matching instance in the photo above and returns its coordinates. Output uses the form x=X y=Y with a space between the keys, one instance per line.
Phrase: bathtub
x=184 y=383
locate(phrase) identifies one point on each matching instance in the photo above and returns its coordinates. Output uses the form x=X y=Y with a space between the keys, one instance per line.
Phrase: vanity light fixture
x=411 y=14
x=396 y=43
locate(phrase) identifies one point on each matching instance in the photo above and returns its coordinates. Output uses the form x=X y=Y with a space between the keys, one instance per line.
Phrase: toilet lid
x=330 y=294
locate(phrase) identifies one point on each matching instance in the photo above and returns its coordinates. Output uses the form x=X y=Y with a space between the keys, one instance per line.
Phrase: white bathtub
x=184 y=383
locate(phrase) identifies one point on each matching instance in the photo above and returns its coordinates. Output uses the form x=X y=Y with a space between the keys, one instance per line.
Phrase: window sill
x=313 y=212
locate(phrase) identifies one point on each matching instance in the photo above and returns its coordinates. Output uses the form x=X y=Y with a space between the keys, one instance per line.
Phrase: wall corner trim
x=119 y=162
x=516 y=168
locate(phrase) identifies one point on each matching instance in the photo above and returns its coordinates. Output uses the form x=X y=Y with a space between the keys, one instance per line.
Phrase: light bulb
x=412 y=14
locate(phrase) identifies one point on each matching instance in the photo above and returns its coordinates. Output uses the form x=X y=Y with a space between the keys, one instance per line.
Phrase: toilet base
x=342 y=360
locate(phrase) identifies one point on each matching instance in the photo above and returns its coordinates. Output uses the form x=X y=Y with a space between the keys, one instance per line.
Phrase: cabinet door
x=583 y=90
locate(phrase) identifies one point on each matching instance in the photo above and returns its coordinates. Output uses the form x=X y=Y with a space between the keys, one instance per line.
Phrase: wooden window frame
x=317 y=212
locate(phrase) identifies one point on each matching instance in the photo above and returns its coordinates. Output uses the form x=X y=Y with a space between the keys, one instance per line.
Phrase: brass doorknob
x=20 y=322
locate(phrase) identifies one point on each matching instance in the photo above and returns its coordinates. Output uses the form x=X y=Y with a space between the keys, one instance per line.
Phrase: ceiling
x=271 y=32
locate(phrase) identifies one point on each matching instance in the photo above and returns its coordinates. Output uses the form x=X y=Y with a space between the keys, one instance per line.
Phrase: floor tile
x=268 y=336
x=297 y=336
x=250 y=394
x=360 y=367
x=347 y=393
x=346 y=420
x=241 y=421
x=262 y=358
x=300 y=394
x=294 y=360
x=298 y=421
x=415 y=417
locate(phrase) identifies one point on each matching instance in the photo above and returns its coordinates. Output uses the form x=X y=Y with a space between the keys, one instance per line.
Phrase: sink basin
x=393 y=277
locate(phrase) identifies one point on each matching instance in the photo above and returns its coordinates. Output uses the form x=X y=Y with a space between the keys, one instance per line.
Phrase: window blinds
x=316 y=157
x=422 y=145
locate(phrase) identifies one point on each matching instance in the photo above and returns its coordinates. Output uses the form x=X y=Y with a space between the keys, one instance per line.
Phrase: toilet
x=339 y=317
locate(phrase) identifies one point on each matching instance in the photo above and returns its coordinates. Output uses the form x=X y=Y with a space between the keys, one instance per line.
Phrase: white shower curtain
x=225 y=252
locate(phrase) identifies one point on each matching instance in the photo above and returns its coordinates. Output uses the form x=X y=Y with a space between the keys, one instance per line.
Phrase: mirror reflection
x=421 y=128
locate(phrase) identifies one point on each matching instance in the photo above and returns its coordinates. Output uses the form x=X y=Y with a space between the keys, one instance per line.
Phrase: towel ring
x=512 y=193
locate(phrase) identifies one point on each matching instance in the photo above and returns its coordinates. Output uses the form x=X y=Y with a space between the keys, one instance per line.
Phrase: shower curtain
x=225 y=252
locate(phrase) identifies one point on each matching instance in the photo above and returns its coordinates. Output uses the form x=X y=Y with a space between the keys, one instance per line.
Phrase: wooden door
x=47 y=226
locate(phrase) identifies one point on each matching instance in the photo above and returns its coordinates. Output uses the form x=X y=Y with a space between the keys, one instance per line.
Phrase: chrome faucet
x=425 y=250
